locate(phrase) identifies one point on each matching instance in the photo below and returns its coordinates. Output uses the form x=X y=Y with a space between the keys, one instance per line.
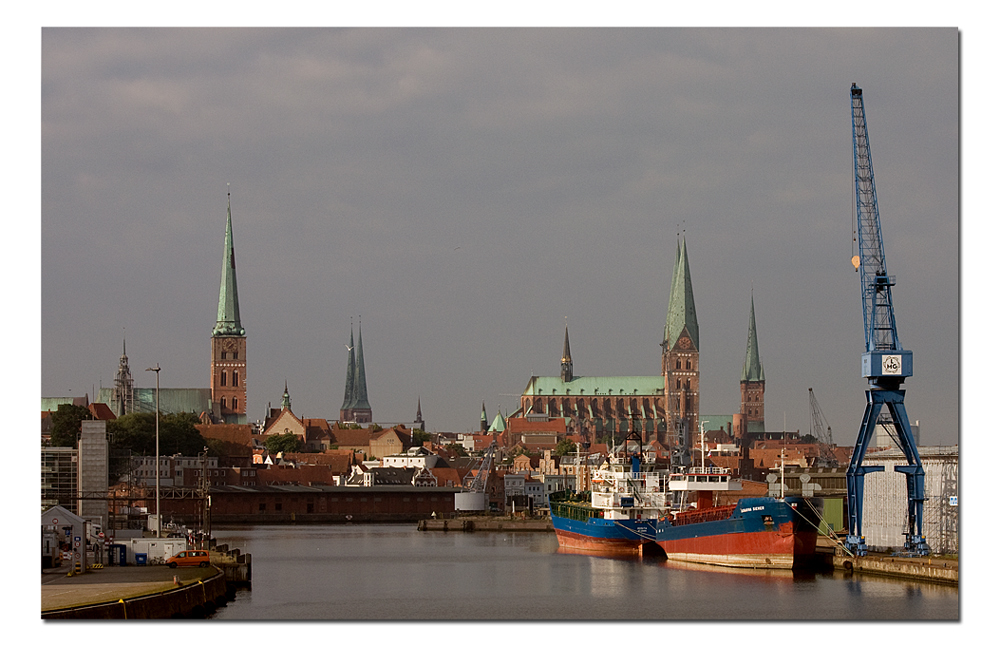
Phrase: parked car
x=194 y=558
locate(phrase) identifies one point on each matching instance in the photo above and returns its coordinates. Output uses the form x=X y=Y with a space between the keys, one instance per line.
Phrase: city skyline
x=468 y=193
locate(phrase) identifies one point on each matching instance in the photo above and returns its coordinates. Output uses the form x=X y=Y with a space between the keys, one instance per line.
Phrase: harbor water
x=394 y=572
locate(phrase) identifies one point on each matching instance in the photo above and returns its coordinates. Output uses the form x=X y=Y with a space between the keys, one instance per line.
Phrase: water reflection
x=393 y=572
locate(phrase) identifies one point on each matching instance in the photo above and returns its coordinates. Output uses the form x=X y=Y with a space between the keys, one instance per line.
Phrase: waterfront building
x=92 y=471
x=59 y=465
x=886 y=499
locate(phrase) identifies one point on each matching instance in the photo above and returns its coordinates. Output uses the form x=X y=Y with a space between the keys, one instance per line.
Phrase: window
x=688 y=364
x=236 y=405
x=277 y=506
x=236 y=355
x=236 y=378
x=222 y=378
x=262 y=506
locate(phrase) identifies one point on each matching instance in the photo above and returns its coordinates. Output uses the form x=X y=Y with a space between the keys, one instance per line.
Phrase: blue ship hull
x=755 y=532
x=603 y=535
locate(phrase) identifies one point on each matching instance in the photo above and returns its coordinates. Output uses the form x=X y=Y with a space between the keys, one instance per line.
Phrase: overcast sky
x=467 y=193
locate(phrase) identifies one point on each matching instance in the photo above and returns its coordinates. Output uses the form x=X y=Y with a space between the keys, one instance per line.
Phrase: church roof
x=228 y=322
x=594 y=386
x=681 y=314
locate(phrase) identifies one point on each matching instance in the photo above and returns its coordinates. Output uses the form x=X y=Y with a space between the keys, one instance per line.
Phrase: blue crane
x=885 y=363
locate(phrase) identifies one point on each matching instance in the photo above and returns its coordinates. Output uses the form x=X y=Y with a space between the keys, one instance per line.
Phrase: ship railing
x=702 y=515
x=714 y=471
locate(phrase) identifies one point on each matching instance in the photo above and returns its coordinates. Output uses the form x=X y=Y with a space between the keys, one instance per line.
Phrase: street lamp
x=157 y=371
x=701 y=428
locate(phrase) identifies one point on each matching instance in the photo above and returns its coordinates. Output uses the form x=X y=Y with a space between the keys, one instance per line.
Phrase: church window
x=687 y=384
x=678 y=384
x=756 y=398
x=678 y=364
x=235 y=404
x=222 y=378
x=236 y=355
x=688 y=364
x=236 y=378
x=222 y=402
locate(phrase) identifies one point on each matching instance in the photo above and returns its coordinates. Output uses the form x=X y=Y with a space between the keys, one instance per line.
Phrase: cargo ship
x=753 y=532
x=619 y=514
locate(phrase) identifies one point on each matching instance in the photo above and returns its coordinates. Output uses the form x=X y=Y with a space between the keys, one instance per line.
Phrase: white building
x=416 y=457
x=884 y=519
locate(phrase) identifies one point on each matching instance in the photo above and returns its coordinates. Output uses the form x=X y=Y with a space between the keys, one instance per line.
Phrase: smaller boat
x=753 y=532
x=619 y=515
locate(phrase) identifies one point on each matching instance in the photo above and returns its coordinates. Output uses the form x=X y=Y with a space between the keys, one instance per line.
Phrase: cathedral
x=665 y=408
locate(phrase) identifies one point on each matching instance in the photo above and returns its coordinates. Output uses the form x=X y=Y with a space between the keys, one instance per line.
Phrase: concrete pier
x=485 y=524
x=920 y=569
x=145 y=592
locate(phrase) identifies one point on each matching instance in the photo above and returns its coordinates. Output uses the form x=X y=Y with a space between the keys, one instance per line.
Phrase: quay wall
x=907 y=568
x=484 y=525
x=196 y=599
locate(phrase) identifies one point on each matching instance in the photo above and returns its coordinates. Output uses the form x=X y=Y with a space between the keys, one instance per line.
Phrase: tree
x=457 y=449
x=565 y=446
x=66 y=421
x=284 y=443
x=137 y=432
x=419 y=437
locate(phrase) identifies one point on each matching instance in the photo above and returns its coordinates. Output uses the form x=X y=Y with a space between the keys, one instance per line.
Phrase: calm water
x=394 y=572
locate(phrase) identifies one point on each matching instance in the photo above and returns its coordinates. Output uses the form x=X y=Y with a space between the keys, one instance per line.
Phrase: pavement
x=113 y=583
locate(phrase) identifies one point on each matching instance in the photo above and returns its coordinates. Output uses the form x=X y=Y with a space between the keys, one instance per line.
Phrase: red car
x=193 y=558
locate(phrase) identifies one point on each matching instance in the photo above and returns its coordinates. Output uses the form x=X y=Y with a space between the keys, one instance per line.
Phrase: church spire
x=123 y=398
x=566 y=369
x=228 y=321
x=681 y=315
x=361 y=384
x=752 y=369
x=286 y=401
x=349 y=382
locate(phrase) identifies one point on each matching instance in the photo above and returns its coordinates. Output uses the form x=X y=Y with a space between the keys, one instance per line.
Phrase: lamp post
x=157 y=371
x=701 y=428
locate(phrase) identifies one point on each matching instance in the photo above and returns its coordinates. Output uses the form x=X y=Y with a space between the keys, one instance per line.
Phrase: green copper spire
x=681 y=315
x=349 y=383
x=673 y=281
x=228 y=322
x=286 y=401
x=360 y=384
x=752 y=370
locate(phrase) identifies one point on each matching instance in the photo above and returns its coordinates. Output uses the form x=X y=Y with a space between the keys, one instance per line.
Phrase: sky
x=467 y=193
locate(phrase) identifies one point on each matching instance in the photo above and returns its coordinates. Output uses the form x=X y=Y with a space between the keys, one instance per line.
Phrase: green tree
x=137 y=432
x=66 y=424
x=419 y=437
x=565 y=446
x=457 y=449
x=284 y=443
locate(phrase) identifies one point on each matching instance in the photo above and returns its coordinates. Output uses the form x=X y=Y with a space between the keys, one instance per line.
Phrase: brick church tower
x=680 y=357
x=752 y=383
x=229 y=342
